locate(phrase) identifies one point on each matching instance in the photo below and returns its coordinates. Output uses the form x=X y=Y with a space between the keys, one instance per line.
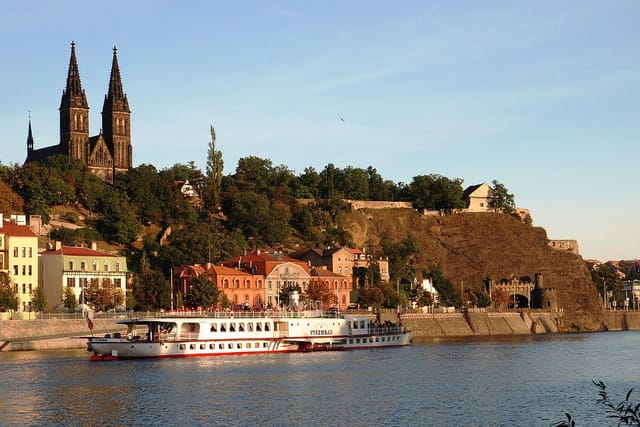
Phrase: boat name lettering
x=321 y=332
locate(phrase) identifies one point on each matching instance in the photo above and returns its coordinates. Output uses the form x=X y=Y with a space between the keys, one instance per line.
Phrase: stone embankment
x=46 y=334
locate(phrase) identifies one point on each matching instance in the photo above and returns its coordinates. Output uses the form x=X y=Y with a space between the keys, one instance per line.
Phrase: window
x=70 y=265
x=259 y=327
x=269 y=284
x=24 y=288
x=240 y=327
x=71 y=282
x=83 y=266
x=15 y=251
x=221 y=346
x=24 y=270
x=106 y=266
x=24 y=252
x=117 y=266
x=30 y=273
x=30 y=288
x=15 y=270
x=30 y=252
x=95 y=266
x=214 y=327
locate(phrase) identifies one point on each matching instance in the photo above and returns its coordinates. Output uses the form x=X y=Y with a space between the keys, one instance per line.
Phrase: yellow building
x=19 y=260
x=75 y=268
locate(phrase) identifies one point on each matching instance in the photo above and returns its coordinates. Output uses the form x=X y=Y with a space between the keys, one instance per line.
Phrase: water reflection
x=503 y=381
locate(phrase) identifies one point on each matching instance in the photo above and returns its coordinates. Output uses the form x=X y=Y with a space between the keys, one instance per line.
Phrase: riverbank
x=49 y=334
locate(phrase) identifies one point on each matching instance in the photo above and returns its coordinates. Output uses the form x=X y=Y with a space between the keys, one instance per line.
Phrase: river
x=512 y=381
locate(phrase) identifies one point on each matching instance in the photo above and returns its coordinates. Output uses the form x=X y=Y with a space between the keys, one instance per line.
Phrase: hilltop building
x=19 y=260
x=105 y=154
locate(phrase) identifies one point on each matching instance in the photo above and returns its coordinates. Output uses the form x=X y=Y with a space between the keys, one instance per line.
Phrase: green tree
x=449 y=295
x=119 y=223
x=317 y=291
x=8 y=298
x=69 y=300
x=38 y=300
x=435 y=192
x=502 y=200
x=215 y=168
x=150 y=288
x=202 y=293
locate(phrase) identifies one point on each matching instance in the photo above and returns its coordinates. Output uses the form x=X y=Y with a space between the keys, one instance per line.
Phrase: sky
x=542 y=96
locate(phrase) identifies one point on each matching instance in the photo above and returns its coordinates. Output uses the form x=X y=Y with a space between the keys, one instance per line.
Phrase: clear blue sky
x=541 y=95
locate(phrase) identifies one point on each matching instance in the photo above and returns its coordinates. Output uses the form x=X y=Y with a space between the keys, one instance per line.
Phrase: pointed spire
x=116 y=96
x=74 y=91
x=74 y=87
x=29 y=137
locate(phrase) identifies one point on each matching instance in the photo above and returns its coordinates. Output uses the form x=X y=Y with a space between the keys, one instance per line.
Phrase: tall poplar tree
x=215 y=166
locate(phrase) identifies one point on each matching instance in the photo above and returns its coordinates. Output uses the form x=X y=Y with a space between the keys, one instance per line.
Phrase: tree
x=502 y=200
x=202 y=293
x=318 y=291
x=435 y=192
x=8 y=298
x=150 y=289
x=10 y=201
x=104 y=296
x=215 y=167
x=38 y=300
x=449 y=296
x=69 y=300
x=499 y=298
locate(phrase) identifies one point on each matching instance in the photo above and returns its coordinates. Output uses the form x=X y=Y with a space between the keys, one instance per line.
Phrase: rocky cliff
x=473 y=246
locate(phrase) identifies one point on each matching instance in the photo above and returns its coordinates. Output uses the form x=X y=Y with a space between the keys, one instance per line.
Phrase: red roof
x=12 y=229
x=77 y=251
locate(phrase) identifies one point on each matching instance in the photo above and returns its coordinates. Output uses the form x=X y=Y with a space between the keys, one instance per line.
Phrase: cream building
x=478 y=198
x=74 y=268
x=19 y=260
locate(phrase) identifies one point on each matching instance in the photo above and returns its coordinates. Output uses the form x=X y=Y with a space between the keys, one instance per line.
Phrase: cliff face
x=473 y=246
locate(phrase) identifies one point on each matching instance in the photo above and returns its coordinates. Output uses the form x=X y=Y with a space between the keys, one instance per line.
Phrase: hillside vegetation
x=472 y=247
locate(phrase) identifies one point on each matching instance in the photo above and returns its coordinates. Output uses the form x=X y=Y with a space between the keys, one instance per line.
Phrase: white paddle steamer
x=218 y=334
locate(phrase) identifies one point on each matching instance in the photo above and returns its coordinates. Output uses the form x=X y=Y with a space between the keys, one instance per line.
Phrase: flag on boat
x=89 y=321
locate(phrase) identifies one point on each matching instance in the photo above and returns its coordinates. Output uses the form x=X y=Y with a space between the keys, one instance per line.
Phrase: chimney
x=58 y=245
x=94 y=246
x=1 y=220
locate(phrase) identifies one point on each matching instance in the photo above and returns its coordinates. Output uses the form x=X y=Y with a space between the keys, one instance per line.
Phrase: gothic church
x=104 y=154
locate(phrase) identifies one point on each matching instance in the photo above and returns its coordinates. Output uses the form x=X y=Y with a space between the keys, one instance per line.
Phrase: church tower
x=74 y=114
x=116 y=124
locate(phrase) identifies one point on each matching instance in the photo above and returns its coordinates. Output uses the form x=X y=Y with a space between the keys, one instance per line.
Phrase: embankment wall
x=45 y=334
x=622 y=320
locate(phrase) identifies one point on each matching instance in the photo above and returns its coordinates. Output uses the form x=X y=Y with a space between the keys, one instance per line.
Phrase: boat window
x=203 y=346
x=250 y=326
x=214 y=327
x=230 y=345
x=239 y=345
x=240 y=327
x=355 y=324
x=362 y=324
x=223 y=327
x=256 y=345
x=192 y=346
x=357 y=340
x=266 y=326
x=377 y=339
x=221 y=346
x=265 y=345
x=259 y=326
x=212 y=346
x=183 y=347
x=248 y=345
x=232 y=327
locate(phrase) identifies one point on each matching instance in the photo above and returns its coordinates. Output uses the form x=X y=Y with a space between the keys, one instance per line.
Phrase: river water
x=514 y=381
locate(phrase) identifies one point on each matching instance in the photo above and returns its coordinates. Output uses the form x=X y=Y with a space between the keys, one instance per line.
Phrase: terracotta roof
x=76 y=251
x=12 y=229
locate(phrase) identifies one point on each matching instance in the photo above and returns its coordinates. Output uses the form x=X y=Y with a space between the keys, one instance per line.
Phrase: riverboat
x=217 y=334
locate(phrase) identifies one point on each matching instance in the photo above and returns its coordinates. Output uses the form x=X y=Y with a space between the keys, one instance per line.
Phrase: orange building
x=240 y=287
